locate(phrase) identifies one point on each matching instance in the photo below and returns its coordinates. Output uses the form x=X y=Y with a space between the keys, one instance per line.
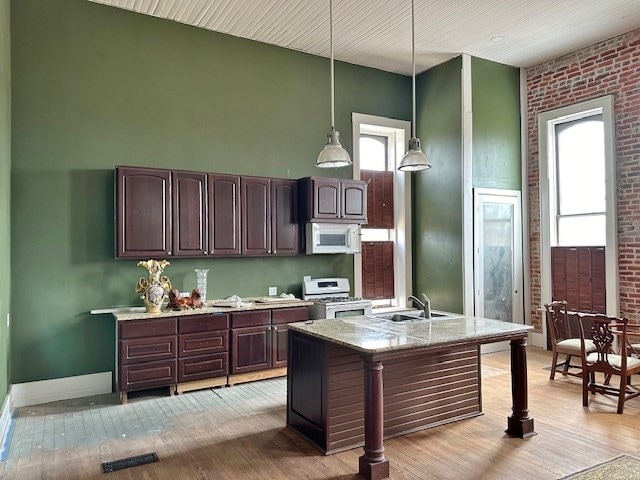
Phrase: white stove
x=331 y=299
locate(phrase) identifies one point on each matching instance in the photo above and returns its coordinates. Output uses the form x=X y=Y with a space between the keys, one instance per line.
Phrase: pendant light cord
x=332 y=79
x=413 y=59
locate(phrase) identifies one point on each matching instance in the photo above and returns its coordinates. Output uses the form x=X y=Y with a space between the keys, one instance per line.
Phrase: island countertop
x=368 y=334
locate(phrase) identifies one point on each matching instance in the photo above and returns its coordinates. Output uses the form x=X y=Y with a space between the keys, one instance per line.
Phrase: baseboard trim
x=6 y=425
x=45 y=391
x=537 y=340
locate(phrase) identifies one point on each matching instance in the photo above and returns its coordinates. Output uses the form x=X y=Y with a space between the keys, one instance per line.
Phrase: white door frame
x=513 y=198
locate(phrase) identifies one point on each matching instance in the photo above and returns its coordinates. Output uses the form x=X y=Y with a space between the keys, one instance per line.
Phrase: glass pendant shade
x=414 y=159
x=333 y=155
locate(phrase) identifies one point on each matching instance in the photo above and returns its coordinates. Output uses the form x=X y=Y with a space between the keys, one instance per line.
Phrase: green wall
x=5 y=193
x=496 y=163
x=495 y=90
x=437 y=201
x=96 y=87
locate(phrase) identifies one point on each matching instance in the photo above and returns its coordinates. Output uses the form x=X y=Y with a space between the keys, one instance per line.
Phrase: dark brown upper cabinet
x=189 y=213
x=163 y=213
x=143 y=212
x=224 y=214
x=334 y=200
x=256 y=216
x=285 y=228
x=269 y=217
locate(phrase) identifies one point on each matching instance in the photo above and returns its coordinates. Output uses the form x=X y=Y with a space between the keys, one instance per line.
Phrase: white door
x=498 y=280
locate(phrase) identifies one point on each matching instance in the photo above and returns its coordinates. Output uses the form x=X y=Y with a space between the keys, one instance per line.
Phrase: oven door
x=348 y=310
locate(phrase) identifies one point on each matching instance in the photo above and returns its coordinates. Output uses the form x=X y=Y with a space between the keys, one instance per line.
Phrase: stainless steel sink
x=413 y=316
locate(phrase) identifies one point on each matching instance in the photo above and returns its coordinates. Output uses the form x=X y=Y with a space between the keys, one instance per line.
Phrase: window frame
x=399 y=131
x=548 y=208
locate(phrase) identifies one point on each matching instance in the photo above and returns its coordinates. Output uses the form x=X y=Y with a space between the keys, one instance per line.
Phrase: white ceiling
x=377 y=33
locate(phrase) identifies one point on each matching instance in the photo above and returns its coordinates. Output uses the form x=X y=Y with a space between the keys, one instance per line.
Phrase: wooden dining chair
x=608 y=334
x=563 y=342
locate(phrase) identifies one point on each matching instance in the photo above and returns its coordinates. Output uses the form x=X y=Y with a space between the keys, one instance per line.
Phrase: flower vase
x=201 y=282
x=153 y=289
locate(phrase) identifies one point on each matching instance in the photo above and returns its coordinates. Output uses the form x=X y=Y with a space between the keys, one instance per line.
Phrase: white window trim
x=401 y=129
x=546 y=123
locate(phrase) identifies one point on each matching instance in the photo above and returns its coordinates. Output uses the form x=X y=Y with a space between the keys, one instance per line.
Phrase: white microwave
x=332 y=238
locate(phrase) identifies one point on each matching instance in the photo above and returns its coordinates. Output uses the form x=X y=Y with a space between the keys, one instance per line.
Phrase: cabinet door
x=189 y=194
x=279 y=342
x=143 y=212
x=256 y=216
x=285 y=229
x=224 y=214
x=326 y=198
x=353 y=204
x=250 y=349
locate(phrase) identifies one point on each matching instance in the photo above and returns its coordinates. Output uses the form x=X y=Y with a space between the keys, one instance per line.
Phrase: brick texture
x=611 y=67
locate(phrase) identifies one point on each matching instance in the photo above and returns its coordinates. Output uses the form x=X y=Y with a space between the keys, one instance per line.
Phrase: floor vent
x=129 y=462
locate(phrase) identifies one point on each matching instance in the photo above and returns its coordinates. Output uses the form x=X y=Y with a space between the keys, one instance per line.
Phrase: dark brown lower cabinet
x=250 y=348
x=260 y=342
x=203 y=348
x=147 y=354
x=171 y=351
x=200 y=351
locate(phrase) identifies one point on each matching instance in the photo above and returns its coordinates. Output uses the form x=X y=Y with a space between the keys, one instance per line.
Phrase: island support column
x=373 y=465
x=519 y=424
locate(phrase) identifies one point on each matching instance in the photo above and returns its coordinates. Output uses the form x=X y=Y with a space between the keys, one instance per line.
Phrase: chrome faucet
x=425 y=305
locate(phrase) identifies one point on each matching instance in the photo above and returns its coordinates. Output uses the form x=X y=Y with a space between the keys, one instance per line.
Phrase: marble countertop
x=374 y=335
x=138 y=313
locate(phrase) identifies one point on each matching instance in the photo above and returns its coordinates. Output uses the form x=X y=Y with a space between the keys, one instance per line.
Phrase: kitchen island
x=339 y=398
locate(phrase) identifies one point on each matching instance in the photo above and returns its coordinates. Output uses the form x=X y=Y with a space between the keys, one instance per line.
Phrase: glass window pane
x=587 y=230
x=581 y=187
x=375 y=234
x=373 y=152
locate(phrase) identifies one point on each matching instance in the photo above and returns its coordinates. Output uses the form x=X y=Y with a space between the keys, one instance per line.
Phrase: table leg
x=519 y=424
x=373 y=465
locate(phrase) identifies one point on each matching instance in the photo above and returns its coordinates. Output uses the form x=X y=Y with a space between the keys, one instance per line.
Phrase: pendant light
x=414 y=159
x=333 y=155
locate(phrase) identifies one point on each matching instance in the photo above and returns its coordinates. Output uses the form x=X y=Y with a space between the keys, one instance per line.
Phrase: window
x=578 y=189
x=383 y=272
x=580 y=182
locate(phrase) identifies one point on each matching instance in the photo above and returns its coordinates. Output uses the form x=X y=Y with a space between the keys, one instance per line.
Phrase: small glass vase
x=201 y=282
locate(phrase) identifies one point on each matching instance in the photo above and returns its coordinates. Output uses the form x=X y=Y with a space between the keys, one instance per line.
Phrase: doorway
x=498 y=277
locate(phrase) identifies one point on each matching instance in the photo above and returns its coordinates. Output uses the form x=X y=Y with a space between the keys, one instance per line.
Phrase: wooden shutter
x=379 y=199
x=578 y=276
x=377 y=270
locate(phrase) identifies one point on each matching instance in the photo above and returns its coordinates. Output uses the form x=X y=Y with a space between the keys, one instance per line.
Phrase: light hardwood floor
x=239 y=433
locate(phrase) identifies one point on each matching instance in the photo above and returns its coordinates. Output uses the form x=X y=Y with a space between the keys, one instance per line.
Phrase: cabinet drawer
x=203 y=343
x=151 y=349
x=202 y=367
x=289 y=315
x=203 y=323
x=254 y=318
x=147 y=328
x=147 y=375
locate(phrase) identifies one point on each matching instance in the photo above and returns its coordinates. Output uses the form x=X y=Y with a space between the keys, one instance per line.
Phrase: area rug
x=623 y=467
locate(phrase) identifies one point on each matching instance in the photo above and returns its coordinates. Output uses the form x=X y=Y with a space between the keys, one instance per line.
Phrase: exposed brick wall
x=611 y=67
